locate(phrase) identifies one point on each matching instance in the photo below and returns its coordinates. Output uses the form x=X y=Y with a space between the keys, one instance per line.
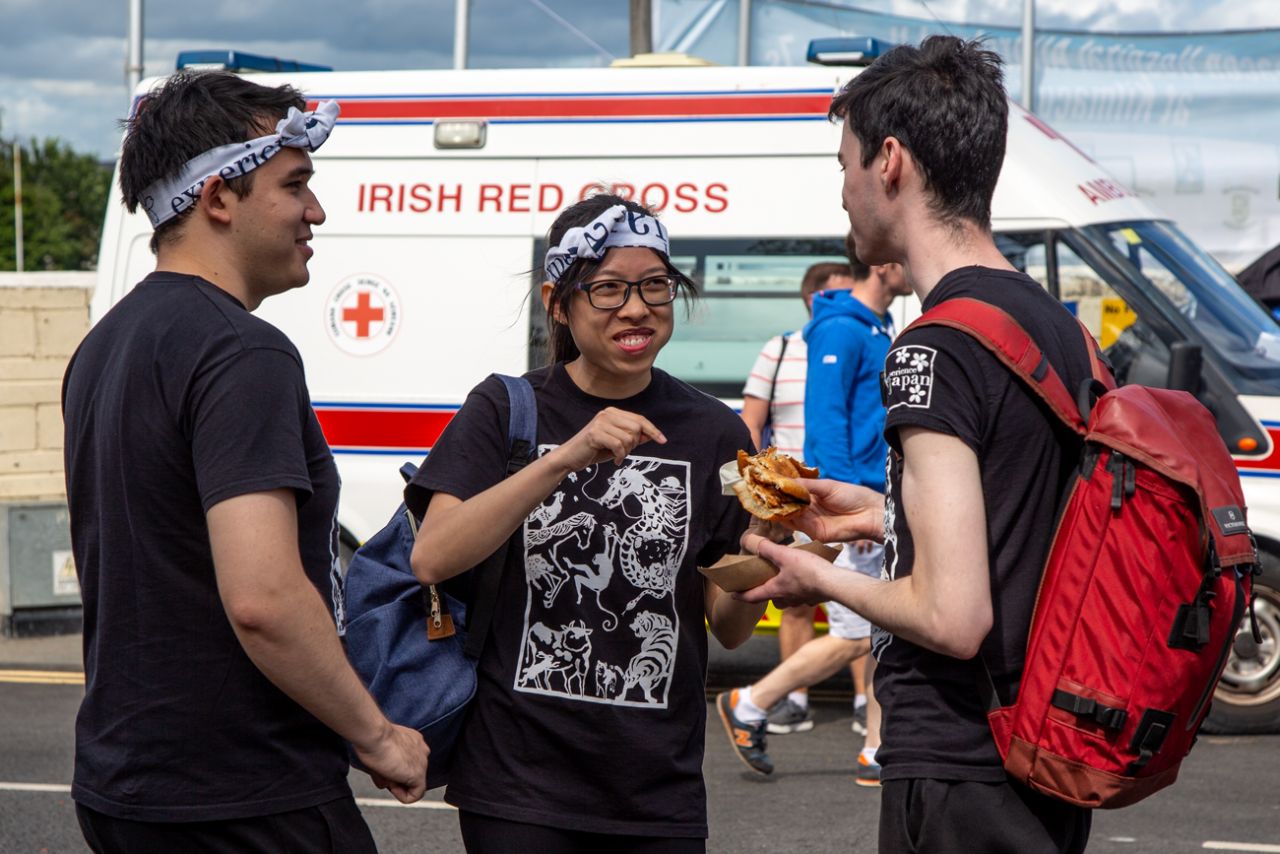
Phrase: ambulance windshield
x=1193 y=291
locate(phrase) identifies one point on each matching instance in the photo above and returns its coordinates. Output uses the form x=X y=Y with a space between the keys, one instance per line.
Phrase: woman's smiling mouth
x=634 y=341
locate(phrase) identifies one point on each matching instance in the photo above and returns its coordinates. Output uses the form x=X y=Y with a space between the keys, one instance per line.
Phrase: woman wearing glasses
x=586 y=733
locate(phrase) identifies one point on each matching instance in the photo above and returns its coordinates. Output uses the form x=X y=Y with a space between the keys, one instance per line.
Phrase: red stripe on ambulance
x=1270 y=462
x=611 y=107
x=382 y=428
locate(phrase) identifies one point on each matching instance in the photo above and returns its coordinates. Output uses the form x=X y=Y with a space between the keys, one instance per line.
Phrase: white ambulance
x=440 y=185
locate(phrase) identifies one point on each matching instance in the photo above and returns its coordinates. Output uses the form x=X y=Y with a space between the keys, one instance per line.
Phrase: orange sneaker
x=747 y=739
x=868 y=772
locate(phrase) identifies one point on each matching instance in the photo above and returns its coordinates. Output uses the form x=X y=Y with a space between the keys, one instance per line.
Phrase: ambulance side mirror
x=1185 y=362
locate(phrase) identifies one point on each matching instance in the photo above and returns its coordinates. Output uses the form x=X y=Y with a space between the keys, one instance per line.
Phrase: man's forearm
x=896 y=606
x=755 y=414
x=459 y=537
x=294 y=644
x=732 y=622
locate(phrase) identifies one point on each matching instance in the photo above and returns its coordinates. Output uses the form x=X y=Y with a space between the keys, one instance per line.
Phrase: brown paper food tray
x=735 y=573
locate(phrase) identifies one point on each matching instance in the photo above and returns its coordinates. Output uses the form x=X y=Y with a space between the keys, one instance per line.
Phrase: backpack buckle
x=1149 y=737
x=1111 y=717
x=1190 y=629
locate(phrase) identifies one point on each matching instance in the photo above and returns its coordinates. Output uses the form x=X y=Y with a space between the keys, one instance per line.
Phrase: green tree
x=64 y=200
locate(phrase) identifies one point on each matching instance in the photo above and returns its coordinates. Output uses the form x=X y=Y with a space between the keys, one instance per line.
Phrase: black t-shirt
x=178 y=399
x=590 y=710
x=942 y=379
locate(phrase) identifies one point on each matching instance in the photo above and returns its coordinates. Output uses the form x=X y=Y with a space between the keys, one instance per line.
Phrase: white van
x=440 y=185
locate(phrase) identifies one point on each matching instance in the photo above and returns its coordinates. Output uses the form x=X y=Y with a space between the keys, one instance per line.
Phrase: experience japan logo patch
x=908 y=377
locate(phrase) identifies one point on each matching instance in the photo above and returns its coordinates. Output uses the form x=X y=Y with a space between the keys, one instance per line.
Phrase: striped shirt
x=786 y=412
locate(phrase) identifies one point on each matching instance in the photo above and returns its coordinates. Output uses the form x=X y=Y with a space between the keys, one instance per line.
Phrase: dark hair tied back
x=560 y=345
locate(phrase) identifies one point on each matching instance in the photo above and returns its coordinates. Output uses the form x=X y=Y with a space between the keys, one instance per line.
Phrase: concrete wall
x=43 y=316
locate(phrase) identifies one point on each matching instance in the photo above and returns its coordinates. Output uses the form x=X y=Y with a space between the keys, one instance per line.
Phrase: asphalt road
x=1229 y=793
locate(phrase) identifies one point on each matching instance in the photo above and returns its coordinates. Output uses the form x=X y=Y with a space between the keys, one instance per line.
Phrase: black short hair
x=945 y=102
x=560 y=345
x=187 y=115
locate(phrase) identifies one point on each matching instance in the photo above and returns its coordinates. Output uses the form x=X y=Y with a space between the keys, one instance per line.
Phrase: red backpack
x=1147 y=580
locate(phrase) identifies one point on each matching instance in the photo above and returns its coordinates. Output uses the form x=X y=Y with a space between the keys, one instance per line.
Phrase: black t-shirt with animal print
x=590 y=710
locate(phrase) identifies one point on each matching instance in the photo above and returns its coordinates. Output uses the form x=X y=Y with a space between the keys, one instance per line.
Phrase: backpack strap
x=773 y=385
x=1097 y=365
x=994 y=329
x=777 y=368
x=522 y=436
x=522 y=426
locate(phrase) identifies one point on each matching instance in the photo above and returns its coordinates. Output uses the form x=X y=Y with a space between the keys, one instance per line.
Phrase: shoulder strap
x=1099 y=367
x=994 y=329
x=522 y=427
x=522 y=436
x=777 y=368
x=998 y=332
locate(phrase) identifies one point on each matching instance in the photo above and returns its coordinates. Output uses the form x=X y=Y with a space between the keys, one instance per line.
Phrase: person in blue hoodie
x=848 y=339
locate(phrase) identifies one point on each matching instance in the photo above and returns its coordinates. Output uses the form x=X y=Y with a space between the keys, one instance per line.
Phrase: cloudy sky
x=62 y=61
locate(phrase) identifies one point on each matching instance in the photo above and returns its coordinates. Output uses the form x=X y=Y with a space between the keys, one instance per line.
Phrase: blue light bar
x=234 y=60
x=847 y=50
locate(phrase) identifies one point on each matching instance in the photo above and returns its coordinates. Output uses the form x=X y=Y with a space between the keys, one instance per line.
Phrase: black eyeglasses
x=610 y=294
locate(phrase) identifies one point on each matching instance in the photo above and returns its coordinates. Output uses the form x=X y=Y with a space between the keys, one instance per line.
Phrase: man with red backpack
x=1066 y=562
x=976 y=467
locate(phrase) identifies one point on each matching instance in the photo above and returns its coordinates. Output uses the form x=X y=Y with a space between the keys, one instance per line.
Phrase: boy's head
x=825 y=275
x=187 y=115
x=944 y=103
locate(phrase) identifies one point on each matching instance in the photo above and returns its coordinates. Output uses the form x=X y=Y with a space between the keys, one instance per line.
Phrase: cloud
x=1120 y=15
x=88 y=40
x=62 y=61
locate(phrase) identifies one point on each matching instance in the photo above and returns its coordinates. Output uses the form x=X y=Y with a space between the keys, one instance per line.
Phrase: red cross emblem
x=364 y=314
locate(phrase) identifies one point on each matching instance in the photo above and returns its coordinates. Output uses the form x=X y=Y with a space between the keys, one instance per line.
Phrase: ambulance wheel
x=1248 y=696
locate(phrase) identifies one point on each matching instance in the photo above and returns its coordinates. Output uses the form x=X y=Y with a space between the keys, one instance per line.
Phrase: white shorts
x=841 y=621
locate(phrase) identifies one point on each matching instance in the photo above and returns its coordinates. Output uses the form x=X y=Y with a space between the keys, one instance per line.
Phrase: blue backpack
x=416 y=648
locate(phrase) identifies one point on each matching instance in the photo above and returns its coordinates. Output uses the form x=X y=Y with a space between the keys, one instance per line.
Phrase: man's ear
x=892 y=156
x=215 y=200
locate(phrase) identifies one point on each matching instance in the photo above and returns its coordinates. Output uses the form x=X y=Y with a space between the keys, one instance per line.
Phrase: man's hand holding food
x=835 y=512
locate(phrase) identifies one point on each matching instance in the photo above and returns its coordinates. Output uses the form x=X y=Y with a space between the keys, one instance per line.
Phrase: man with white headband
x=203 y=505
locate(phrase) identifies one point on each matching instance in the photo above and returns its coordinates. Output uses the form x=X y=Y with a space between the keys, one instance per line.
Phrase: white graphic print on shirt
x=908 y=377
x=601 y=557
x=880 y=639
x=336 y=579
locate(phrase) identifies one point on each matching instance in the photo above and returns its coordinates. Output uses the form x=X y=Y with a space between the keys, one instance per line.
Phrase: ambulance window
x=1090 y=298
x=1026 y=252
x=1127 y=242
x=749 y=291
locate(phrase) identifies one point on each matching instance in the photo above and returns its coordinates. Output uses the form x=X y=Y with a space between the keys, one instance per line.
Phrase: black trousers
x=943 y=816
x=333 y=828
x=482 y=834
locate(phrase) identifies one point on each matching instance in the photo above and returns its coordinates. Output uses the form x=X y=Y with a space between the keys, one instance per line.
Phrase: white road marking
x=364 y=802
x=34 y=787
x=42 y=677
x=390 y=802
x=1241 y=846
x=1121 y=839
